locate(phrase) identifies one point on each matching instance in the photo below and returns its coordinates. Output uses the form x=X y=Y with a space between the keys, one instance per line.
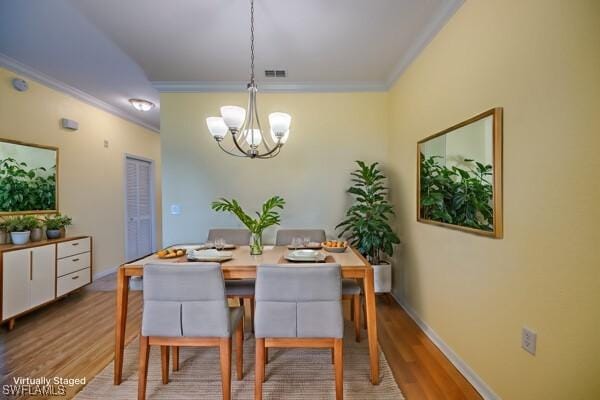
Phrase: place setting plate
x=207 y=246
x=305 y=255
x=209 y=255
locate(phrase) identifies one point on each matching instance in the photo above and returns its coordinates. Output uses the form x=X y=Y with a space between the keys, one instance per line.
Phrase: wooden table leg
x=371 y=317
x=120 y=323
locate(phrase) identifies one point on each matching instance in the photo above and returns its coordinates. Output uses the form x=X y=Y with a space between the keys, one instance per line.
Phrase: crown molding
x=19 y=68
x=282 y=87
x=430 y=31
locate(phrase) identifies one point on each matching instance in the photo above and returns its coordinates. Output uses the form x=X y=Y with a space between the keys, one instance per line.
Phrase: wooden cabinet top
x=11 y=247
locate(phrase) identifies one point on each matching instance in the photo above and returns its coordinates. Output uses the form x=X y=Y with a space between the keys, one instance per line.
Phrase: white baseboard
x=104 y=273
x=484 y=390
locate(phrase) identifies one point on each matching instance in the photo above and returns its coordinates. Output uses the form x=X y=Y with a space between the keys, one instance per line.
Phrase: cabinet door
x=43 y=275
x=15 y=282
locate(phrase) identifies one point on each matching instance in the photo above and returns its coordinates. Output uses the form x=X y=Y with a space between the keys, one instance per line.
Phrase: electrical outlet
x=175 y=209
x=106 y=144
x=528 y=340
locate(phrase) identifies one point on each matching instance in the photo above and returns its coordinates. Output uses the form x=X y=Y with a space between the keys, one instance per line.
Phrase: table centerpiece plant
x=367 y=225
x=268 y=216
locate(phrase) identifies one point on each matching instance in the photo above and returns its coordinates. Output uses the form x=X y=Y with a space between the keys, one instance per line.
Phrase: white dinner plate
x=210 y=255
x=305 y=256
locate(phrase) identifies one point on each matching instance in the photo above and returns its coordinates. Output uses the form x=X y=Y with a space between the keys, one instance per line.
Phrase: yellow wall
x=329 y=131
x=540 y=60
x=91 y=177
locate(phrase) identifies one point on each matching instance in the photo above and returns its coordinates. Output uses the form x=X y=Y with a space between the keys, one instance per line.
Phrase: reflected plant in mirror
x=456 y=195
x=459 y=176
x=28 y=178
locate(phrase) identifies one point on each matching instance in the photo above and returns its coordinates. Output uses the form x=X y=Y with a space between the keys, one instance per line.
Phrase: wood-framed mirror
x=459 y=176
x=28 y=178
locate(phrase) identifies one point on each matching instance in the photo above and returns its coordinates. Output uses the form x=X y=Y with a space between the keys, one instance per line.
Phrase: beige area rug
x=291 y=374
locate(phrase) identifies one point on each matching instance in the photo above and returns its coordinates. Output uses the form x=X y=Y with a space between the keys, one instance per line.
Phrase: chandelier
x=249 y=139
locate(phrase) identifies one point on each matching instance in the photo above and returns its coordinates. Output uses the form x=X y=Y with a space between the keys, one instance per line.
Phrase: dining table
x=243 y=265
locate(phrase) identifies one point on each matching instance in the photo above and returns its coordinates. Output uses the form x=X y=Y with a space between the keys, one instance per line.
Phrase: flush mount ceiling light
x=142 y=105
x=249 y=140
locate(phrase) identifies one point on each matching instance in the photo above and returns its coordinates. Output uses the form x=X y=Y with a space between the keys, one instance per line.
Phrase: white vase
x=20 y=237
x=383 y=278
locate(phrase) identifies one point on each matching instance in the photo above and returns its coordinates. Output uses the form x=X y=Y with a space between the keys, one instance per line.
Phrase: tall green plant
x=26 y=189
x=367 y=221
x=456 y=195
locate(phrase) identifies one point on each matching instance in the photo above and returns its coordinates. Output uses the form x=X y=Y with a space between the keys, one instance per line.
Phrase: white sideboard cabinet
x=37 y=273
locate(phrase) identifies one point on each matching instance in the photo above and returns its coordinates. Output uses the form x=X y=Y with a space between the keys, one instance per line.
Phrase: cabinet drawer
x=72 y=247
x=72 y=281
x=73 y=263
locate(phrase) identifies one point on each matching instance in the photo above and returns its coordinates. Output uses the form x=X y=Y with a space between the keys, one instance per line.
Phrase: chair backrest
x=284 y=236
x=239 y=237
x=299 y=300
x=185 y=300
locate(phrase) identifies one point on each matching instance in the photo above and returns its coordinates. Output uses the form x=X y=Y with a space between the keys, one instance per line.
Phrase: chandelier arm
x=270 y=154
x=262 y=133
x=229 y=152
x=240 y=149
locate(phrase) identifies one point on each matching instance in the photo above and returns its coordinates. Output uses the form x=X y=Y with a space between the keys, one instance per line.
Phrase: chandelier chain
x=252 y=41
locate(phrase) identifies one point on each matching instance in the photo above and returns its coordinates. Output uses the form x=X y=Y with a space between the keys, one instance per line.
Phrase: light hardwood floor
x=74 y=338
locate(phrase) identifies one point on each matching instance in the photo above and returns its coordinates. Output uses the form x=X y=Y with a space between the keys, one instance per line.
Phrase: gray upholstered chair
x=185 y=305
x=299 y=305
x=284 y=236
x=350 y=287
x=238 y=288
x=239 y=237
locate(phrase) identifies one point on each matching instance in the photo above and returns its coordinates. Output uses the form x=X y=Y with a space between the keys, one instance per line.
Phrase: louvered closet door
x=139 y=208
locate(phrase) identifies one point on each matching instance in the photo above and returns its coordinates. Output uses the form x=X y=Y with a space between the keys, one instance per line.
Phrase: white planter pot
x=383 y=278
x=20 y=237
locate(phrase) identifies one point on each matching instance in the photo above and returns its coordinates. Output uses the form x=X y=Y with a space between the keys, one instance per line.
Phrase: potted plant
x=3 y=232
x=367 y=223
x=20 y=228
x=268 y=217
x=36 y=230
x=56 y=225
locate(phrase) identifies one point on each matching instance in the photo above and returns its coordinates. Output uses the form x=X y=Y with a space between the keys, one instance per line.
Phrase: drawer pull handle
x=75 y=277
x=74 y=244
x=75 y=259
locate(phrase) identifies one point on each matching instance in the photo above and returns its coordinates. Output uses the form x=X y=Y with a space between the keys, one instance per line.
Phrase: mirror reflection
x=28 y=179
x=457 y=175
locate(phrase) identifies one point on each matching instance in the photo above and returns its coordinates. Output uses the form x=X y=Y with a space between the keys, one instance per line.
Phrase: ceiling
x=107 y=51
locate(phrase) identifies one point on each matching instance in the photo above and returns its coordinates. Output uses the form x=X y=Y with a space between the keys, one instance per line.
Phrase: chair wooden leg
x=164 y=363
x=259 y=365
x=266 y=355
x=175 y=350
x=143 y=367
x=338 y=350
x=247 y=303
x=364 y=309
x=252 y=304
x=332 y=356
x=239 y=348
x=225 y=355
x=356 y=317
